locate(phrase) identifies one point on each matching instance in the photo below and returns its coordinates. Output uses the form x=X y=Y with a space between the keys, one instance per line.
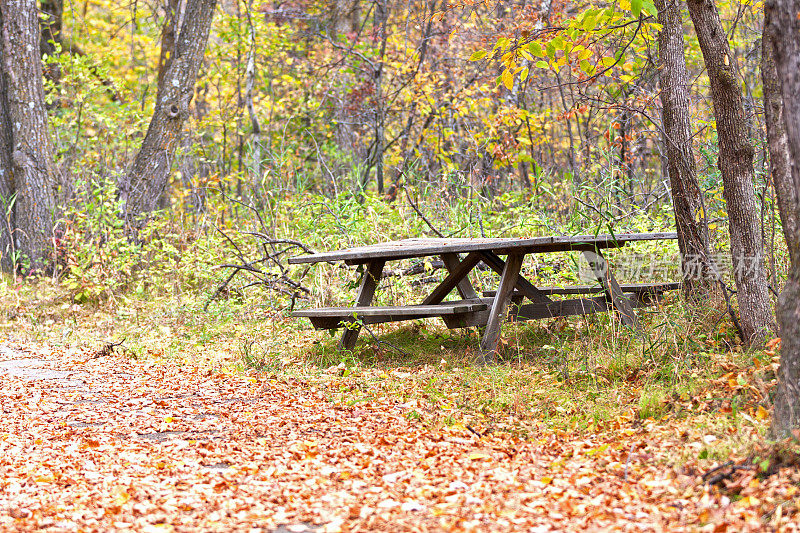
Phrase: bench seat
x=634 y=288
x=334 y=317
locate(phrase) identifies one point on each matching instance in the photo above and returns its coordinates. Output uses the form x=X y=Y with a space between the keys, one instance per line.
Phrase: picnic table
x=489 y=309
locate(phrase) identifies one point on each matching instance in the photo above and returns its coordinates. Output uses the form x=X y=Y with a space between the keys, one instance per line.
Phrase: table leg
x=369 y=282
x=508 y=280
x=465 y=288
x=602 y=271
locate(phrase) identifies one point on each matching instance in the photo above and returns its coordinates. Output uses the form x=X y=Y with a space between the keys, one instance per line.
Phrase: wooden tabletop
x=425 y=247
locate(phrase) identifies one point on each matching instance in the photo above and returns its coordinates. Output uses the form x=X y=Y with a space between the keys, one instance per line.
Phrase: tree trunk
x=34 y=176
x=250 y=80
x=736 y=164
x=147 y=178
x=687 y=201
x=7 y=224
x=783 y=21
x=168 y=32
x=381 y=16
x=779 y=160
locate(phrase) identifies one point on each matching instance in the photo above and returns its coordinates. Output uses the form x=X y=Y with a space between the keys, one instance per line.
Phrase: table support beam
x=465 y=288
x=523 y=285
x=369 y=282
x=602 y=271
x=508 y=280
x=456 y=276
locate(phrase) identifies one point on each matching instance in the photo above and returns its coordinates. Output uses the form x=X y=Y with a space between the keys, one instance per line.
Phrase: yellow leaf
x=475 y=456
x=607 y=61
x=121 y=496
x=761 y=413
x=546 y=480
x=508 y=79
x=478 y=55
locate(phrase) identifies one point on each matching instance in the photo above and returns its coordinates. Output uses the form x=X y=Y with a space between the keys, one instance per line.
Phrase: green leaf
x=542 y=64
x=478 y=55
x=636 y=7
x=589 y=23
x=551 y=50
x=607 y=61
x=523 y=75
x=536 y=49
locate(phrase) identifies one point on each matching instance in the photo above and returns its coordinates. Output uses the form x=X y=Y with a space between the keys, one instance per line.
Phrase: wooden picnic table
x=489 y=309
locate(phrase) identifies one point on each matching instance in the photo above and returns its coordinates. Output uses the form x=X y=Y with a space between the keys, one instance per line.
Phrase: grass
x=580 y=374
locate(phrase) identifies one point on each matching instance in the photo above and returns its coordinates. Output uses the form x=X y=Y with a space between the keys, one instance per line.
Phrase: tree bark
x=736 y=165
x=687 y=201
x=168 y=32
x=34 y=176
x=7 y=223
x=381 y=16
x=777 y=141
x=250 y=80
x=147 y=178
x=783 y=18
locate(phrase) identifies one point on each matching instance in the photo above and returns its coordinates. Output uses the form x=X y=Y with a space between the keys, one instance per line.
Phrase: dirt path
x=111 y=443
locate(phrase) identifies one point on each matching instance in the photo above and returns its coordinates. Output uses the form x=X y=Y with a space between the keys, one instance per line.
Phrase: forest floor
x=96 y=440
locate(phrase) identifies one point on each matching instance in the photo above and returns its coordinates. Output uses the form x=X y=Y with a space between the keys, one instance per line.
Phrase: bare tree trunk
x=147 y=178
x=168 y=32
x=573 y=157
x=736 y=164
x=7 y=223
x=34 y=176
x=425 y=39
x=381 y=16
x=250 y=78
x=783 y=21
x=779 y=160
x=687 y=198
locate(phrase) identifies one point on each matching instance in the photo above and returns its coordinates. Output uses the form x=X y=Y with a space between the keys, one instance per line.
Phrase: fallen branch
x=725 y=471
x=107 y=349
x=269 y=270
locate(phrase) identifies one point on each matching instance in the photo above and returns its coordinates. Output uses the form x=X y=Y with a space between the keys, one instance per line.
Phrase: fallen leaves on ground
x=112 y=443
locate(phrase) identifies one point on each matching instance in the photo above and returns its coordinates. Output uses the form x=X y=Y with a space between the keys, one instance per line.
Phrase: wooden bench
x=335 y=317
x=643 y=291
